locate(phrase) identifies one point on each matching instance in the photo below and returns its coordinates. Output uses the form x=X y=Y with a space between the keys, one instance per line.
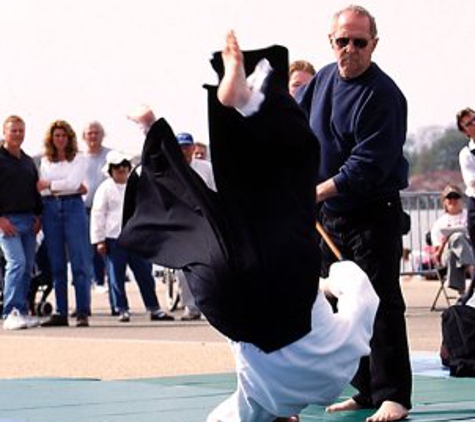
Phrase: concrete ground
x=111 y=350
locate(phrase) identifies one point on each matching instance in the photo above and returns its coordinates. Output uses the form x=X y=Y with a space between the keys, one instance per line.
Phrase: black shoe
x=56 y=320
x=161 y=316
x=82 y=321
x=124 y=317
x=74 y=314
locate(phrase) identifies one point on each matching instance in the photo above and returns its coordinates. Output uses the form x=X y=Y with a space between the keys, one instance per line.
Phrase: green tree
x=441 y=154
x=446 y=150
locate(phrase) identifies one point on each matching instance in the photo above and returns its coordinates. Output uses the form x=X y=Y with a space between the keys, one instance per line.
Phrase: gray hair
x=359 y=10
x=96 y=124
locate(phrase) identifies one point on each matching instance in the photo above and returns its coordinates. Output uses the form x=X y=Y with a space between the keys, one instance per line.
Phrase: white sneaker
x=15 y=321
x=100 y=288
x=32 y=321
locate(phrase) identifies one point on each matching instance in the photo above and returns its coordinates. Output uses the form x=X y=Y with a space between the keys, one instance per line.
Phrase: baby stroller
x=41 y=282
x=172 y=294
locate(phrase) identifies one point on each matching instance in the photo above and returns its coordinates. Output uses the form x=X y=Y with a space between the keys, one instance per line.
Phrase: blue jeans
x=98 y=265
x=116 y=262
x=66 y=236
x=19 y=254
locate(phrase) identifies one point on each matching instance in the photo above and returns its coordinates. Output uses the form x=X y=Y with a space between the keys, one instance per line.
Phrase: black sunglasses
x=453 y=196
x=342 y=42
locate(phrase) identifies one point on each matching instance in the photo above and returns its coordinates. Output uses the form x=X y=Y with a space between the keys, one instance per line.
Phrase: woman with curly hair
x=62 y=172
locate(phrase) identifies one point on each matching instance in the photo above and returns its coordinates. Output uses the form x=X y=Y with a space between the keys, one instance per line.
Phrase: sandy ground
x=142 y=348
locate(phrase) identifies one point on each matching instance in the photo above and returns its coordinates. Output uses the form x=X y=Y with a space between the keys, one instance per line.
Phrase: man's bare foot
x=388 y=412
x=233 y=90
x=343 y=406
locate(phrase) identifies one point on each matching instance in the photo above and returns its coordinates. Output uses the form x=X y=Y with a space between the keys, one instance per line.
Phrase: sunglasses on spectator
x=359 y=43
x=470 y=122
x=453 y=196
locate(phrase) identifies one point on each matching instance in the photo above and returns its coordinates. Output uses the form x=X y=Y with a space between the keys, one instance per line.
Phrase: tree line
x=433 y=155
x=441 y=152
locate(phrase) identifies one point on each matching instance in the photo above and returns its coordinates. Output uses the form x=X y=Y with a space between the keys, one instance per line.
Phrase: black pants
x=471 y=220
x=471 y=233
x=371 y=237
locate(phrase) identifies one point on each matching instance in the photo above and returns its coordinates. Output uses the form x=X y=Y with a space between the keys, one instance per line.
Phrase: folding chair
x=441 y=276
x=441 y=273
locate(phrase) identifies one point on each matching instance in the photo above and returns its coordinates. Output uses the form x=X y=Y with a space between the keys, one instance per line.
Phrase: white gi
x=316 y=368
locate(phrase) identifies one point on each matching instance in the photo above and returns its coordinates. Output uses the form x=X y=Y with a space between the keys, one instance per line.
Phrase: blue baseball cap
x=184 y=139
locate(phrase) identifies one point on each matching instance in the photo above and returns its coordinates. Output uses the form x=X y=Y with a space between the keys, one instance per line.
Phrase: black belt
x=58 y=197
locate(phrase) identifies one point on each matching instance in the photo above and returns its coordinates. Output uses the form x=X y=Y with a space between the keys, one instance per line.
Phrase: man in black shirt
x=20 y=208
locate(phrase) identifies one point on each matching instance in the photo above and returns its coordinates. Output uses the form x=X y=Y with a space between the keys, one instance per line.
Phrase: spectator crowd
x=60 y=216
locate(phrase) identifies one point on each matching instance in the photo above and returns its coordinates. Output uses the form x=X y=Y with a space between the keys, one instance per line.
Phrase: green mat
x=189 y=399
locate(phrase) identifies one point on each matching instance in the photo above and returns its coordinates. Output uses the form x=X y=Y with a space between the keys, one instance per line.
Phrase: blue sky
x=97 y=59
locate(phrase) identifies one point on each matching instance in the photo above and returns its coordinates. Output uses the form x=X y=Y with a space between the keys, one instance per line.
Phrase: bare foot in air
x=143 y=116
x=343 y=406
x=388 y=412
x=233 y=90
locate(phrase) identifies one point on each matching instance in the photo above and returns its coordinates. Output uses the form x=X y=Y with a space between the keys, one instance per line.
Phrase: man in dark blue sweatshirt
x=359 y=116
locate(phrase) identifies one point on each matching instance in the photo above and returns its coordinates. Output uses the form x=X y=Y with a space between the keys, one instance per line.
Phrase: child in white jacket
x=106 y=223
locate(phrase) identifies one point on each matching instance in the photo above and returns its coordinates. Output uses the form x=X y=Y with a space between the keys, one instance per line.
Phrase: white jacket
x=106 y=212
x=205 y=171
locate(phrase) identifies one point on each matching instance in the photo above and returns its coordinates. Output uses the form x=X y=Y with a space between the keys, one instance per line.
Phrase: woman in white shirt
x=450 y=240
x=106 y=225
x=62 y=172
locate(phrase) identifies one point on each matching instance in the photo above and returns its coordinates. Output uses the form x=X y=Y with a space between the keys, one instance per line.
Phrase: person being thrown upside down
x=253 y=266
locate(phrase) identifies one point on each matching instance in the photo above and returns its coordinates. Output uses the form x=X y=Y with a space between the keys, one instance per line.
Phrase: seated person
x=451 y=245
x=290 y=349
